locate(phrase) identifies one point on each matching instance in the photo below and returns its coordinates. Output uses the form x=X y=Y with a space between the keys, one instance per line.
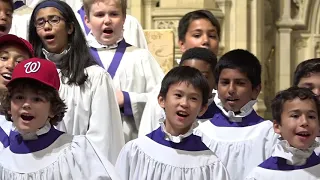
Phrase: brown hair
x=88 y=3
x=58 y=107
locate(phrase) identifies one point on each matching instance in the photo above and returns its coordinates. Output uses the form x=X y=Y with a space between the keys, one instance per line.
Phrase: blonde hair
x=88 y=3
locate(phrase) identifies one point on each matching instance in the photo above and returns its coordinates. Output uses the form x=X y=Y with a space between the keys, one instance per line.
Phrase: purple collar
x=211 y=111
x=278 y=163
x=221 y=120
x=190 y=143
x=20 y=146
x=4 y=138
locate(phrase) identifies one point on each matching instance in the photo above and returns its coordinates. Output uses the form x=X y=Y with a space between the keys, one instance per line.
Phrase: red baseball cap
x=41 y=70
x=10 y=39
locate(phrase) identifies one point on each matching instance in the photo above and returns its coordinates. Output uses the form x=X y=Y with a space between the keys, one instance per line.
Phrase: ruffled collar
x=92 y=42
x=176 y=139
x=33 y=135
x=53 y=56
x=33 y=142
x=293 y=156
x=245 y=110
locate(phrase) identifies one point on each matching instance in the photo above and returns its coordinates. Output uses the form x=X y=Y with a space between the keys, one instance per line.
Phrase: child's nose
x=9 y=64
x=107 y=19
x=231 y=89
x=184 y=102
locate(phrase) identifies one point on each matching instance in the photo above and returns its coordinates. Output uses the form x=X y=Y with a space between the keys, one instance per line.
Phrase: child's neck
x=176 y=131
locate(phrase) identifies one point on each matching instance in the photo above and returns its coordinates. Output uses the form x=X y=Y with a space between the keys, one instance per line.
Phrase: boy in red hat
x=36 y=148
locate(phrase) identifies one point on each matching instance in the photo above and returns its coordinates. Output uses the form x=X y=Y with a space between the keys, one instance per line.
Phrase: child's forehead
x=25 y=88
x=117 y=3
x=233 y=73
x=184 y=86
x=311 y=76
x=5 y=5
x=12 y=48
x=196 y=63
x=299 y=104
x=201 y=24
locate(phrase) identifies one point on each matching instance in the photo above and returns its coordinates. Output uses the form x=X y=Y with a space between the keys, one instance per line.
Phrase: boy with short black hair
x=200 y=58
x=236 y=134
x=199 y=28
x=307 y=74
x=296 y=114
x=184 y=95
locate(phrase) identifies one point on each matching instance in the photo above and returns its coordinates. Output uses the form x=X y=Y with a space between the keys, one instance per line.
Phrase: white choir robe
x=53 y=156
x=153 y=112
x=93 y=111
x=5 y=127
x=152 y=157
x=136 y=75
x=288 y=164
x=132 y=33
x=241 y=143
x=20 y=21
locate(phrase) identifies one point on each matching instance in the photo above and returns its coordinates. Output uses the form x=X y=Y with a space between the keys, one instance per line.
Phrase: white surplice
x=241 y=141
x=53 y=155
x=137 y=74
x=288 y=163
x=20 y=21
x=155 y=157
x=93 y=111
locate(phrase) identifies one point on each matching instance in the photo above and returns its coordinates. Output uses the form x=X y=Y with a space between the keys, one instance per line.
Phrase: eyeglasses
x=52 y=20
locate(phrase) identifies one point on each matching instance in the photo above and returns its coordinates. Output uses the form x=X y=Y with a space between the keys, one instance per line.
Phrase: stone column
x=283 y=52
x=256 y=44
x=149 y=5
x=225 y=6
x=136 y=10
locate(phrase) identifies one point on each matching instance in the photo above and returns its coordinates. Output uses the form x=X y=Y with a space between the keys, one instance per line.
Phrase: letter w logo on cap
x=32 y=67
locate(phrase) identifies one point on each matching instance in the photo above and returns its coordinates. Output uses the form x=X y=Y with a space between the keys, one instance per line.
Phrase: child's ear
x=276 y=127
x=51 y=114
x=181 y=45
x=161 y=101
x=256 y=92
x=71 y=28
x=203 y=110
x=87 y=21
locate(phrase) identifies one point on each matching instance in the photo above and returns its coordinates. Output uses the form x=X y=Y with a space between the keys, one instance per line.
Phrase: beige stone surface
x=161 y=45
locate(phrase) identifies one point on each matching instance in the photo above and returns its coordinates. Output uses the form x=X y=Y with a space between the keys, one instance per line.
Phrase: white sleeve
x=151 y=114
x=105 y=124
x=153 y=75
x=133 y=33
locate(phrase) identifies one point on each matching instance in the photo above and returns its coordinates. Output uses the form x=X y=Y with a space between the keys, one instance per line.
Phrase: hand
x=120 y=98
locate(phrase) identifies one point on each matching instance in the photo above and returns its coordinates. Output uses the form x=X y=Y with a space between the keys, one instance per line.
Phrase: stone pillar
x=239 y=28
x=256 y=44
x=283 y=51
x=136 y=10
x=149 y=5
x=225 y=6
